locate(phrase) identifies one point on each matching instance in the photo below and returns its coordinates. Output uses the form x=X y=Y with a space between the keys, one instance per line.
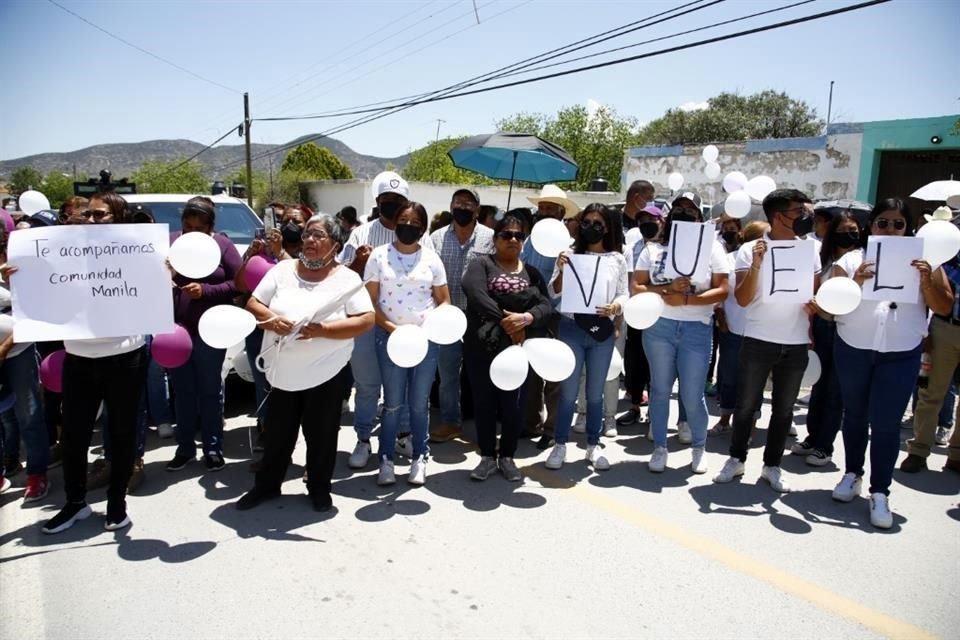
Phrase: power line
x=141 y=49
x=204 y=150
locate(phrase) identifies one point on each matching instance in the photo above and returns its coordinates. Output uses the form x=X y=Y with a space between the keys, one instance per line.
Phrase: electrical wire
x=197 y=154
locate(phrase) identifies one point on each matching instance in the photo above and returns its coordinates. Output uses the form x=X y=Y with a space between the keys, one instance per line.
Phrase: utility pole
x=829 y=106
x=246 y=135
x=433 y=177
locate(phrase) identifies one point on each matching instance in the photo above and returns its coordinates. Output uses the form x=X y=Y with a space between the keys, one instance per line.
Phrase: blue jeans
x=253 y=345
x=826 y=404
x=405 y=389
x=727 y=365
x=596 y=356
x=876 y=388
x=198 y=391
x=26 y=418
x=676 y=348
x=366 y=379
x=450 y=361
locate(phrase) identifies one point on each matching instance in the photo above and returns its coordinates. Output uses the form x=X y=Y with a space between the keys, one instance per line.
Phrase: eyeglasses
x=319 y=236
x=96 y=214
x=512 y=235
x=899 y=224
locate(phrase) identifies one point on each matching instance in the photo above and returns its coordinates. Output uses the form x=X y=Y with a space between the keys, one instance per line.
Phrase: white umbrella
x=937 y=190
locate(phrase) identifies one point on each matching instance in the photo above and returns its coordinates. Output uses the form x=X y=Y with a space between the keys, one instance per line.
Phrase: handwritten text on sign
x=584 y=284
x=90 y=281
x=787 y=271
x=689 y=252
x=895 y=278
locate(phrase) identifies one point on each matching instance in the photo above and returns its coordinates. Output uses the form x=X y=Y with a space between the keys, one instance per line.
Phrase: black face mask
x=389 y=210
x=463 y=217
x=846 y=239
x=291 y=233
x=803 y=225
x=682 y=216
x=407 y=233
x=730 y=237
x=649 y=230
x=591 y=232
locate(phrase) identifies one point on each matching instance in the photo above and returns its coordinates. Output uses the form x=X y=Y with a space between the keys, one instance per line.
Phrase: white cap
x=390 y=182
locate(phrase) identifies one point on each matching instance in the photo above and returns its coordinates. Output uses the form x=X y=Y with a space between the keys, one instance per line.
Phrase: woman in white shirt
x=311 y=310
x=405 y=281
x=590 y=336
x=679 y=344
x=878 y=352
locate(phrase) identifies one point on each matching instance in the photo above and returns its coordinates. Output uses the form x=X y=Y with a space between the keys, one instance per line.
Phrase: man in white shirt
x=775 y=340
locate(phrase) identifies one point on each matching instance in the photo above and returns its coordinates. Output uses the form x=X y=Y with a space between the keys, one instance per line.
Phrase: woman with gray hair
x=311 y=309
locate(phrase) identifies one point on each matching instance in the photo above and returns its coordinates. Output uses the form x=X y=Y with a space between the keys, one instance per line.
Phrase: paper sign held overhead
x=584 y=284
x=688 y=255
x=895 y=279
x=786 y=275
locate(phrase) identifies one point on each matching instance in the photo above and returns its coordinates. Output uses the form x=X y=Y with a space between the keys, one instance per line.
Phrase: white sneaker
x=697 y=463
x=580 y=425
x=418 y=471
x=165 y=430
x=558 y=455
x=658 y=461
x=386 y=475
x=774 y=475
x=610 y=427
x=405 y=446
x=880 y=515
x=802 y=448
x=942 y=436
x=593 y=457
x=684 y=435
x=848 y=488
x=732 y=468
x=818 y=459
x=360 y=456
x=793 y=431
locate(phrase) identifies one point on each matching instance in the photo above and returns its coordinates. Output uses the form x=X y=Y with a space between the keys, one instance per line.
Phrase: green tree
x=432 y=164
x=317 y=163
x=57 y=187
x=262 y=192
x=170 y=176
x=25 y=178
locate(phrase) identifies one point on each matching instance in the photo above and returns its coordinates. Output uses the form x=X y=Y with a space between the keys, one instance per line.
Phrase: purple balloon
x=172 y=350
x=256 y=268
x=7 y=220
x=51 y=371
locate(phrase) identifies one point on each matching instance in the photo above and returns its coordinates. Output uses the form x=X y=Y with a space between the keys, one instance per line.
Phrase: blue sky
x=69 y=86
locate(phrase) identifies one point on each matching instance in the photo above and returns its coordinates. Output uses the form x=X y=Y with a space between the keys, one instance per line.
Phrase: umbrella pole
x=513 y=171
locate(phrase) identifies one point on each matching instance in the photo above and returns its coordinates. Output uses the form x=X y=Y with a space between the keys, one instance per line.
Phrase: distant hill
x=124 y=158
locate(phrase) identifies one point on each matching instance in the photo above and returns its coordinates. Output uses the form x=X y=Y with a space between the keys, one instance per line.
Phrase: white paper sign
x=895 y=279
x=90 y=281
x=787 y=271
x=584 y=284
x=689 y=252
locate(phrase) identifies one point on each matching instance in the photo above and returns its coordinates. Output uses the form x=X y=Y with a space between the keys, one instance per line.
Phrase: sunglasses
x=519 y=236
x=319 y=236
x=899 y=224
x=96 y=214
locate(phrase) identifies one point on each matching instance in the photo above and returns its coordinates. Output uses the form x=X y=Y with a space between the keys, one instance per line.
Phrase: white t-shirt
x=103 y=347
x=616 y=266
x=304 y=364
x=653 y=260
x=776 y=323
x=406 y=282
x=873 y=325
x=6 y=323
x=735 y=314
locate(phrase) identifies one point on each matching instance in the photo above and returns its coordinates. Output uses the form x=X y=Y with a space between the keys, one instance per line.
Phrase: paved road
x=566 y=554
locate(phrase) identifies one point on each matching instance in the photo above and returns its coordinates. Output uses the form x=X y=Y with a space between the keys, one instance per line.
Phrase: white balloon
x=509 y=369
x=675 y=181
x=445 y=325
x=407 y=345
x=711 y=153
x=814 y=370
x=550 y=237
x=734 y=181
x=225 y=325
x=643 y=310
x=759 y=187
x=616 y=366
x=941 y=241
x=194 y=255
x=712 y=170
x=551 y=359
x=737 y=204
x=242 y=366
x=839 y=296
x=32 y=201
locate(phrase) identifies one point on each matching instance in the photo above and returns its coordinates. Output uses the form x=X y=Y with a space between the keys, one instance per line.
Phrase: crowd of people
x=340 y=286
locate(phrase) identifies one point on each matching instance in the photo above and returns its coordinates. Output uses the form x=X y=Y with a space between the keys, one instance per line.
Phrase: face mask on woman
x=846 y=239
x=591 y=232
x=407 y=233
x=649 y=230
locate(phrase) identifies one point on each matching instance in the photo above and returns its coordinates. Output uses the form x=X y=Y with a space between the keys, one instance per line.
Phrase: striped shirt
x=372 y=233
x=543 y=264
x=456 y=257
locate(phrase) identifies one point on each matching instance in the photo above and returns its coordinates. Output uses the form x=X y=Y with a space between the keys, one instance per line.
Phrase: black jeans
x=635 y=365
x=758 y=359
x=826 y=403
x=317 y=411
x=117 y=381
x=487 y=399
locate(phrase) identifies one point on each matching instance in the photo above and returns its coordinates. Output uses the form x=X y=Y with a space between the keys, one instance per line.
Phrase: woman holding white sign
x=691 y=274
x=307 y=374
x=597 y=258
x=877 y=353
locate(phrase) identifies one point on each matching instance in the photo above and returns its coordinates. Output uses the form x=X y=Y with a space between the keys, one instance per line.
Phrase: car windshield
x=234 y=220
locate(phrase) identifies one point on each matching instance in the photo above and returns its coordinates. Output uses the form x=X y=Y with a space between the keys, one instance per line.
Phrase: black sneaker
x=545 y=442
x=214 y=462
x=630 y=417
x=321 y=502
x=117 y=517
x=179 y=462
x=72 y=512
x=254 y=497
x=11 y=467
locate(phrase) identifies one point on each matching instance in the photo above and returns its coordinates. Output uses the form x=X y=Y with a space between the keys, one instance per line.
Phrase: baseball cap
x=390 y=182
x=653 y=210
x=465 y=191
x=44 y=218
x=687 y=195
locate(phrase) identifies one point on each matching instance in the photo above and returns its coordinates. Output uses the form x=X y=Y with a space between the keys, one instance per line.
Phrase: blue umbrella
x=514 y=156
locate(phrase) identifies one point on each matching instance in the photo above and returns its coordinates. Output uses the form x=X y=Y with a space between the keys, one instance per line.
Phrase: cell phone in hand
x=269 y=219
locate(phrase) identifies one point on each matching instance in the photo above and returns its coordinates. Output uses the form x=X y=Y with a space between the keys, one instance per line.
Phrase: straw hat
x=556 y=195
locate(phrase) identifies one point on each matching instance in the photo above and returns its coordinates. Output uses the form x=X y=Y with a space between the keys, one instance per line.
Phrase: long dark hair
x=612 y=239
x=115 y=203
x=828 y=250
x=200 y=207
x=892 y=204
